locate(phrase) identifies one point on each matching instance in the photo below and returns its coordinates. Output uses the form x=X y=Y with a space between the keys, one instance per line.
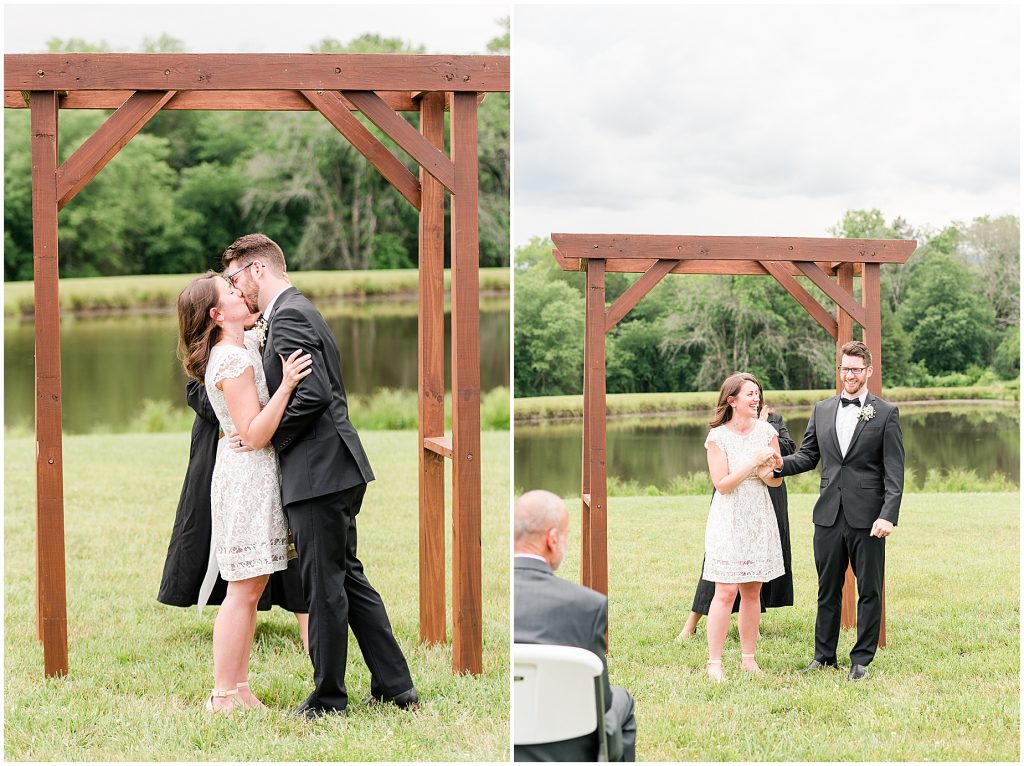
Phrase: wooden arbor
x=137 y=86
x=830 y=264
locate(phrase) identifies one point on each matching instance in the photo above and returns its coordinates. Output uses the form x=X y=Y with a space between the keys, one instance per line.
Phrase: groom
x=857 y=437
x=324 y=473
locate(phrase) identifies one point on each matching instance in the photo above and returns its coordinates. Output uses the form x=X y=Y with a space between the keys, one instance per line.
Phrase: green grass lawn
x=946 y=688
x=140 y=671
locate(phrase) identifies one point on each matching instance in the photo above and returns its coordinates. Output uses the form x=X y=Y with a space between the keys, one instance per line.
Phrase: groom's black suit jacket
x=318 y=447
x=868 y=481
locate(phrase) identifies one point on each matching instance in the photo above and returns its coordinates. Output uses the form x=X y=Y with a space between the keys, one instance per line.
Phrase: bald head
x=542 y=526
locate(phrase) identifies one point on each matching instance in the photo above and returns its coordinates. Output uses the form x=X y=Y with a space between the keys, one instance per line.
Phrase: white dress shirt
x=270 y=306
x=846 y=421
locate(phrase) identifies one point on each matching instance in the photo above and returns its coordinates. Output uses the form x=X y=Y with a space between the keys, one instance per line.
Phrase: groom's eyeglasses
x=231 y=277
x=854 y=370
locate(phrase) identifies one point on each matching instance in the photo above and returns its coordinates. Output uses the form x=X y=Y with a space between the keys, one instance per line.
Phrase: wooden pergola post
x=783 y=258
x=431 y=381
x=467 y=618
x=51 y=593
x=379 y=86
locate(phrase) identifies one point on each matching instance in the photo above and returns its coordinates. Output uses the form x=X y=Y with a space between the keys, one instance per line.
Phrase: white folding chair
x=557 y=695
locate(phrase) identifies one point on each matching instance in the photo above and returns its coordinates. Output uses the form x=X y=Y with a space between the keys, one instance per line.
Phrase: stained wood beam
x=635 y=292
x=430 y=374
x=51 y=582
x=641 y=266
x=99 y=148
x=442 y=445
x=405 y=135
x=467 y=597
x=248 y=71
x=209 y=100
x=330 y=106
x=647 y=246
x=804 y=298
x=842 y=298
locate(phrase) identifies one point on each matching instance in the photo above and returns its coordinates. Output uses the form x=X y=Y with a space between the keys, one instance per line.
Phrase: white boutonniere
x=259 y=331
x=866 y=413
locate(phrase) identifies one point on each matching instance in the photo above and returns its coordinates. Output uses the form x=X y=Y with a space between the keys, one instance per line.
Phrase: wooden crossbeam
x=804 y=298
x=209 y=100
x=635 y=292
x=405 y=135
x=100 y=148
x=330 y=106
x=248 y=71
x=648 y=246
x=642 y=265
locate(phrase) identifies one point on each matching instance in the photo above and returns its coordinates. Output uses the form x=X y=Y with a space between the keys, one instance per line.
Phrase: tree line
x=950 y=316
x=191 y=182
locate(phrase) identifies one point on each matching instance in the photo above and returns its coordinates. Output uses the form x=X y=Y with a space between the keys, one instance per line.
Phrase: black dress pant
x=339 y=597
x=836 y=547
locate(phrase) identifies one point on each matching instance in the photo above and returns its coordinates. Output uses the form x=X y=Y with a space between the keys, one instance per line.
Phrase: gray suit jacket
x=550 y=610
x=318 y=447
x=868 y=481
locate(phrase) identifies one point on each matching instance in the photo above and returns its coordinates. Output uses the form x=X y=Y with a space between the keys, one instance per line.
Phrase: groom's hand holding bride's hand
x=881 y=528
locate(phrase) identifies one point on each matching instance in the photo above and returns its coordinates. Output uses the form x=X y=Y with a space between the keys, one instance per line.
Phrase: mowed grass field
x=946 y=688
x=140 y=671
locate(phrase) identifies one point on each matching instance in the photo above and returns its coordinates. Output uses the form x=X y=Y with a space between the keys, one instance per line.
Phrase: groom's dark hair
x=255 y=247
x=858 y=349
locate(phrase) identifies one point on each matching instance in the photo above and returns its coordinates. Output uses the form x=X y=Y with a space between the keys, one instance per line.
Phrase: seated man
x=550 y=610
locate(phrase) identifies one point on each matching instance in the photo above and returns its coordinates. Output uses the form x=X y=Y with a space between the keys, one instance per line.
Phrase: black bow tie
x=844 y=401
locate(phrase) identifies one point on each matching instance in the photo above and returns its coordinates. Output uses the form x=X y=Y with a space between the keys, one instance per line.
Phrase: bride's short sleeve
x=767 y=431
x=230 y=364
x=714 y=436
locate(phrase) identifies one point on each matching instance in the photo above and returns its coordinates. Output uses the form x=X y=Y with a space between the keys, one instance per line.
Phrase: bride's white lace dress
x=741 y=542
x=250 y=533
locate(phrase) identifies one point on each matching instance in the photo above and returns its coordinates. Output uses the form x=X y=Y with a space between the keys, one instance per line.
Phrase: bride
x=249 y=528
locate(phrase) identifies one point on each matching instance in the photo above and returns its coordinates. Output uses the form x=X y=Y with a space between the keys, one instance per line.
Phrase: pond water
x=110 y=365
x=985 y=438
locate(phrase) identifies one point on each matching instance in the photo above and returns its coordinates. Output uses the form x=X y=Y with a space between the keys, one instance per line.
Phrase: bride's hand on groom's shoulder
x=295 y=368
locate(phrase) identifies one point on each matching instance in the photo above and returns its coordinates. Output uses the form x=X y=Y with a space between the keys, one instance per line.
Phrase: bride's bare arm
x=253 y=424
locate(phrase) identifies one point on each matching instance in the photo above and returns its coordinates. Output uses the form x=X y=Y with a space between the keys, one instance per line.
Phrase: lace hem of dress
x=721 y=570
x=240 y=562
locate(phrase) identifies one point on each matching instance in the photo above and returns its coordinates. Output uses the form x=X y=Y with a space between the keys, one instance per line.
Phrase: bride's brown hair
x=731 y=387
x=197 y=331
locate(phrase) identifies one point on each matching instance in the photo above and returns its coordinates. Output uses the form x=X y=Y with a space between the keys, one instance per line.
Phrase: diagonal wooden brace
x=405 y=135
x=330 y=105
x=625 y=303
x=843 y=298
x=91 y=157
x=804 y=298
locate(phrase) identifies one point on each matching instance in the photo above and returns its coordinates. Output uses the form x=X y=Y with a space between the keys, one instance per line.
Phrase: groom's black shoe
x=816 y=665
x=858 y=673
x=311 y=713
x=407 y=700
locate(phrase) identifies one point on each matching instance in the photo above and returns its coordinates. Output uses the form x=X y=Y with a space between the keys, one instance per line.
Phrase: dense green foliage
x=950 y=317
x=190 y=183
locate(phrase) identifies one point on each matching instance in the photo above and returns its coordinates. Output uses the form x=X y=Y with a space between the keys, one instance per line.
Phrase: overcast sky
x=252 y=28
x=766 y=120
